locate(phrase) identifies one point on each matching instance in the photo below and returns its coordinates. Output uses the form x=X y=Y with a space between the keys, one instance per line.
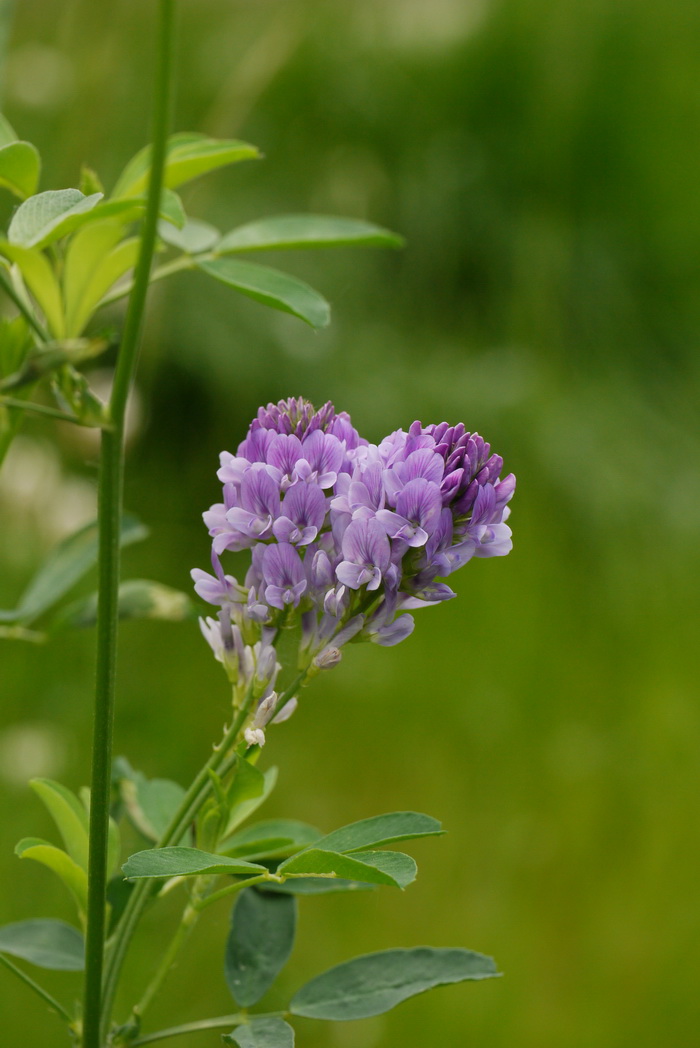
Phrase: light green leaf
x=398 y=865
x=68 y=814
x=172 y=210
x=305 y=231
x=20 y=165
x=273 y=837
x=41 y=281
x=189 y=155
x=377 y=982
x=138 y=599
x=259 y=943
x=244 y=809
x=380 y=830
x=317 y=863
x=248 y=783
x=272 y=288
x=46 y=943
x=90 y=181
x=7 y=132
x=73 y=876
x=49 y=216
x=68 y=562
x=269 y=1031
x=95 y=259
x=15 y=345
x=193 y=238
x=184 y=862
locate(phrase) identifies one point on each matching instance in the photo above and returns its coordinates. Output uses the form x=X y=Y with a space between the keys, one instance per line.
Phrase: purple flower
x=366 y=555
x=417 y=513
x=302 y=515
x=260 y=505
x=284 y=577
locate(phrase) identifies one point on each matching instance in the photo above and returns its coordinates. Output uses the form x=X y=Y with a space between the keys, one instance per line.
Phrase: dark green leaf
x=20 y=165
x=259 y=943
x=317 y=863
x=138 y=599
x=150 y=803
x=380 y=830
x=245 y=808
x=305 y=231
x=46 y=943
x=248 y=783
x=270 y=837
x=193 y=238
x=265 y=1032
x=72 y=559
x=272 y=288
x=377 y=982
x=49 y=216
x=184 y=862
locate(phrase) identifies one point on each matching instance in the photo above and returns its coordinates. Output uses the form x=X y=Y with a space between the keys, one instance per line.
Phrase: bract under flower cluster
x=346 y=537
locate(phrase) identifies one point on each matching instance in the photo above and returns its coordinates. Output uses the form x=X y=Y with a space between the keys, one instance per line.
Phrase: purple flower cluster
x=345 y=536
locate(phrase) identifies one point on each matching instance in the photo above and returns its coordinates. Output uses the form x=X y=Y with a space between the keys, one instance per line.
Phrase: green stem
x=231 y=889
x=55 y=1005
x=39 y=409
x=110 y=510
x=221 y=1022
x=23 y=307
x=197 y=794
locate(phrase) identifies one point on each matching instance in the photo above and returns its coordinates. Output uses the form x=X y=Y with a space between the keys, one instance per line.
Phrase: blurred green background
x=541 y=158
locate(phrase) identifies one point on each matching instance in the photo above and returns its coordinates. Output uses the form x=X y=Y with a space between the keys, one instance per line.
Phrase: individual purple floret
x=345 y=536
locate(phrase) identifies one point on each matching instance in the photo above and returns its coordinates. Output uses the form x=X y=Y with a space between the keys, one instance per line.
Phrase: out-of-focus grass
x=540 y=158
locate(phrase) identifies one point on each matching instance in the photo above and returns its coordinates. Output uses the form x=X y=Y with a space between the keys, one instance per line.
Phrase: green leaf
x=150 y=803
x=68 y=814
x=184 y=862
x=192 y=238
x=396 y=864
x=189 y=155
x=244 y=809
x=271 y=287
x=74 y=395
x=271 y=837
x=317 y=863
x=90 y=181
x=380 y=830
x=15 y=345
x=248 y=783
x=377 y=982
x=319 y=886
x=20 y=165
x=41 y=281
x=138 y=599
x=68 y=562
x=265 y=1032
x=72 y=875
x=172 y=210
x=96 y=258
x=259 y=943
x=7 y=132
x=49 y=216
x=45 y=943
x=305 y=231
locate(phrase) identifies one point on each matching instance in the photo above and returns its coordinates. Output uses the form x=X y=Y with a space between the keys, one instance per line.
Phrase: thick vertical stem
x=110 y=511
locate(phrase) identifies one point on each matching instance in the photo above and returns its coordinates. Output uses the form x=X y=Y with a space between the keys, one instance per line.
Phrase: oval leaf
x=184 y=862
x=41 y=280
x=259 y=943
x=46 y=943
x=265 y=1032
x=69 y=815
x=272 y=288
x=48 y=216
x=377 y=982
x=20 y=165
x=271 y=837
x=72 y=875
x=317 y=863
x=380 y=830
x=281 y=232
x=192 y=238
x=243 y=809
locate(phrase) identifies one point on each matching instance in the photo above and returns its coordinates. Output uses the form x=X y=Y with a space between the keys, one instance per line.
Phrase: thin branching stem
x=55 y=1005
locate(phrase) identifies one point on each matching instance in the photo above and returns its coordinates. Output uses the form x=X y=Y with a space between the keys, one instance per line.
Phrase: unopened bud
x=328 y=658
x=254 y=736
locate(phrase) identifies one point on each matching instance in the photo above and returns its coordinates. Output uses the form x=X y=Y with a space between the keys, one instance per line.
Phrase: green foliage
x=138 y=599
x=150 y=803
x=379 y=830
x=271 y=287
x=184 y=862
x=44 y=942
x=69 y=815
x=193 y=238
x=48 y=216
x=265 y=1032
x=15 y=343
x=20 y=167
x=280 y=232
x=392 y=868
x=189 y=155
x=241 y=808
x=272 y=837
x=66 y=565
x=73 y=876
x=259 y=943
x=41 y=280
x=377 y=982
